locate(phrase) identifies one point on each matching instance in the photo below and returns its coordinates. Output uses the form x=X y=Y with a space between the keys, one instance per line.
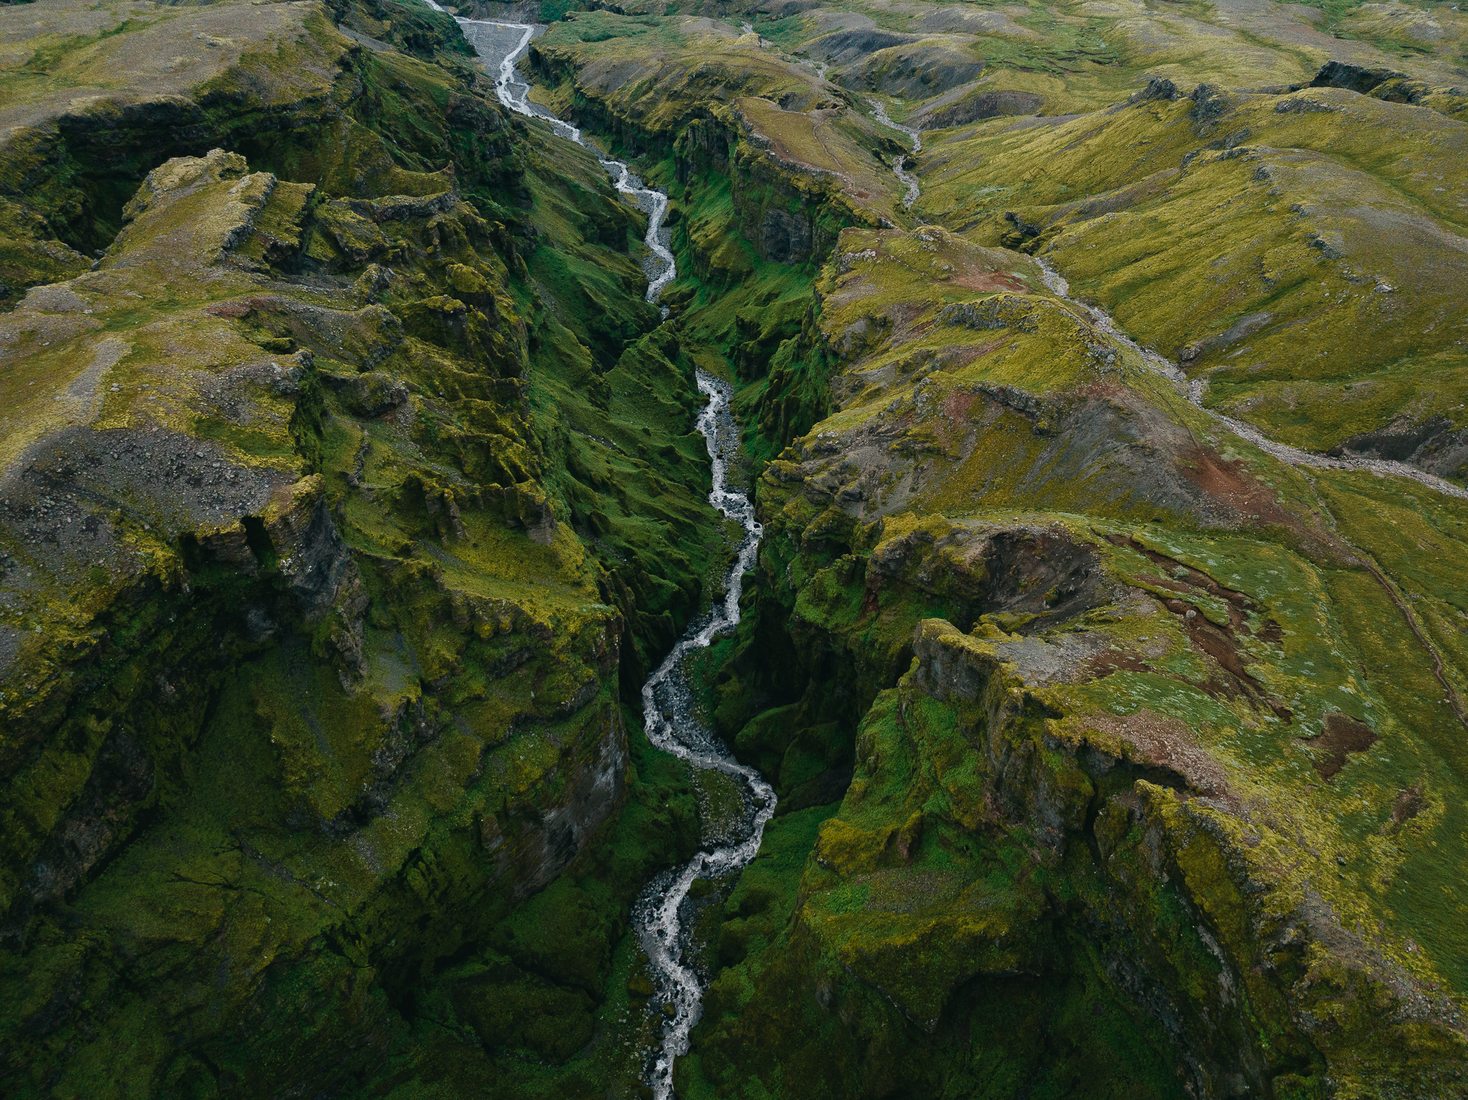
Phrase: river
x=670 y=715
x=500 y=46
x=673 y=725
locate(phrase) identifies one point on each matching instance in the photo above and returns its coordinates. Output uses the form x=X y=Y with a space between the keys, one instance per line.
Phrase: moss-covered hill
x=348 y=490
x=342 y=491
x=1329 y=311
x=1150 y=750
x=1119 y=752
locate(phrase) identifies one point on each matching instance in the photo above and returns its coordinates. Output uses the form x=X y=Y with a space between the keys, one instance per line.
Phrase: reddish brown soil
x=1408 y=804
x=1343 y=735
x=1229 y=483
x=1114 y=660
x=957 y=405
x=1221 y=643
x=1159 y=741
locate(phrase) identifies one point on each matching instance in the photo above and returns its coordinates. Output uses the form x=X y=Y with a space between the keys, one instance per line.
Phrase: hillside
x=1089 y=715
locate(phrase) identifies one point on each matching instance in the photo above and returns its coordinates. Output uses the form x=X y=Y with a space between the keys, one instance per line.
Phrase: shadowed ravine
x=475 y=626
x=501 y=45
x=670 y=715
x=673 y=726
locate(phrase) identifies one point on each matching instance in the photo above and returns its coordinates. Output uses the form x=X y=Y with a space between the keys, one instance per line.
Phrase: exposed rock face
x=844 y=47
x=529 y=861
x=982 y=105
x=784 y=237
x=310 y=682
x=1157 y=88
x=918 y=71
x=786 y=215
x=1022 y=785
x=1435 y=444
x=1382 y=83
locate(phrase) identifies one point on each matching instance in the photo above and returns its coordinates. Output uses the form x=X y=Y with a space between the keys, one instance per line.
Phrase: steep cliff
x=317 y=599
x=1118 y=790
x=1077 y=692
x=1115 y=697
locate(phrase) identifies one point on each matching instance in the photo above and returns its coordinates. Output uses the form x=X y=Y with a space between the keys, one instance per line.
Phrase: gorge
x=671 y=721
x=838 y=550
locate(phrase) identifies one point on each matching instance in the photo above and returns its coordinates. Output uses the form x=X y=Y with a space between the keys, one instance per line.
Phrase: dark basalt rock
x=844 y=47
x=784 y=237
x=373 y=393
x=122 y=778
x=1435 y=445
x=1386 y=84
x=1209 y=104
x=984 y=105
x=1355 y=78
x=914 y=71
x=1158 y=88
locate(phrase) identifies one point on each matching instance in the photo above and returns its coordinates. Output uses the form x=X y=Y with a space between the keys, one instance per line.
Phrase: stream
x=910 y=185
x=899 y=167
x=673 y=725
x=670 y=711
x=670 y=714
x=1198 y=387
x=502 y=50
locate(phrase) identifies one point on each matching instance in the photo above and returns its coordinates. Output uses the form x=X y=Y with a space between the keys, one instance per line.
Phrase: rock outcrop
x=310 y=676
x=1085 y=780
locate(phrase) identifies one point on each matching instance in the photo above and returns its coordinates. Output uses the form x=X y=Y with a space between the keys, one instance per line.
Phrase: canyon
x=734 y=549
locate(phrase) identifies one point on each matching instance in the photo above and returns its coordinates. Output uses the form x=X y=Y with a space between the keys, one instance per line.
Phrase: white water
x=673 y=726
x=1197 y=387
x=514 y=93
x=899 y=168
x=669 y=715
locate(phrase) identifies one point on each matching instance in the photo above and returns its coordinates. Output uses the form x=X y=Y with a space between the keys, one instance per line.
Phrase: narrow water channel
x=670 y=715
x=673 y=725
x=1196 y=390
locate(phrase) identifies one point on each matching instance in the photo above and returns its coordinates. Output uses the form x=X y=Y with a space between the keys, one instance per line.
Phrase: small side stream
x=502 y=45
x=1195 y=390
x=899 y=168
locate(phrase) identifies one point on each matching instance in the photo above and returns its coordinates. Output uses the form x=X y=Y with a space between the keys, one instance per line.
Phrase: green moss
x=1304 y=321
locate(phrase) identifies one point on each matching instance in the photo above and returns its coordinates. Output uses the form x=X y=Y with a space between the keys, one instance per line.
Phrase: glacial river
x=669 y=712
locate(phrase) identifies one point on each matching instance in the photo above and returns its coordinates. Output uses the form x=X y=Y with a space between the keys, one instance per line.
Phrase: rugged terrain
x=1108 y=645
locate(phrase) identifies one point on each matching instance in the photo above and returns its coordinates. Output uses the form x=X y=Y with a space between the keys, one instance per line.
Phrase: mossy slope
x=1124 y=750
x=315 y=603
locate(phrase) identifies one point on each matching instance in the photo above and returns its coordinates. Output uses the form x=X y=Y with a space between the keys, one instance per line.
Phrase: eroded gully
x=669 y=711
x=911 y=187
x=1197 y=387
